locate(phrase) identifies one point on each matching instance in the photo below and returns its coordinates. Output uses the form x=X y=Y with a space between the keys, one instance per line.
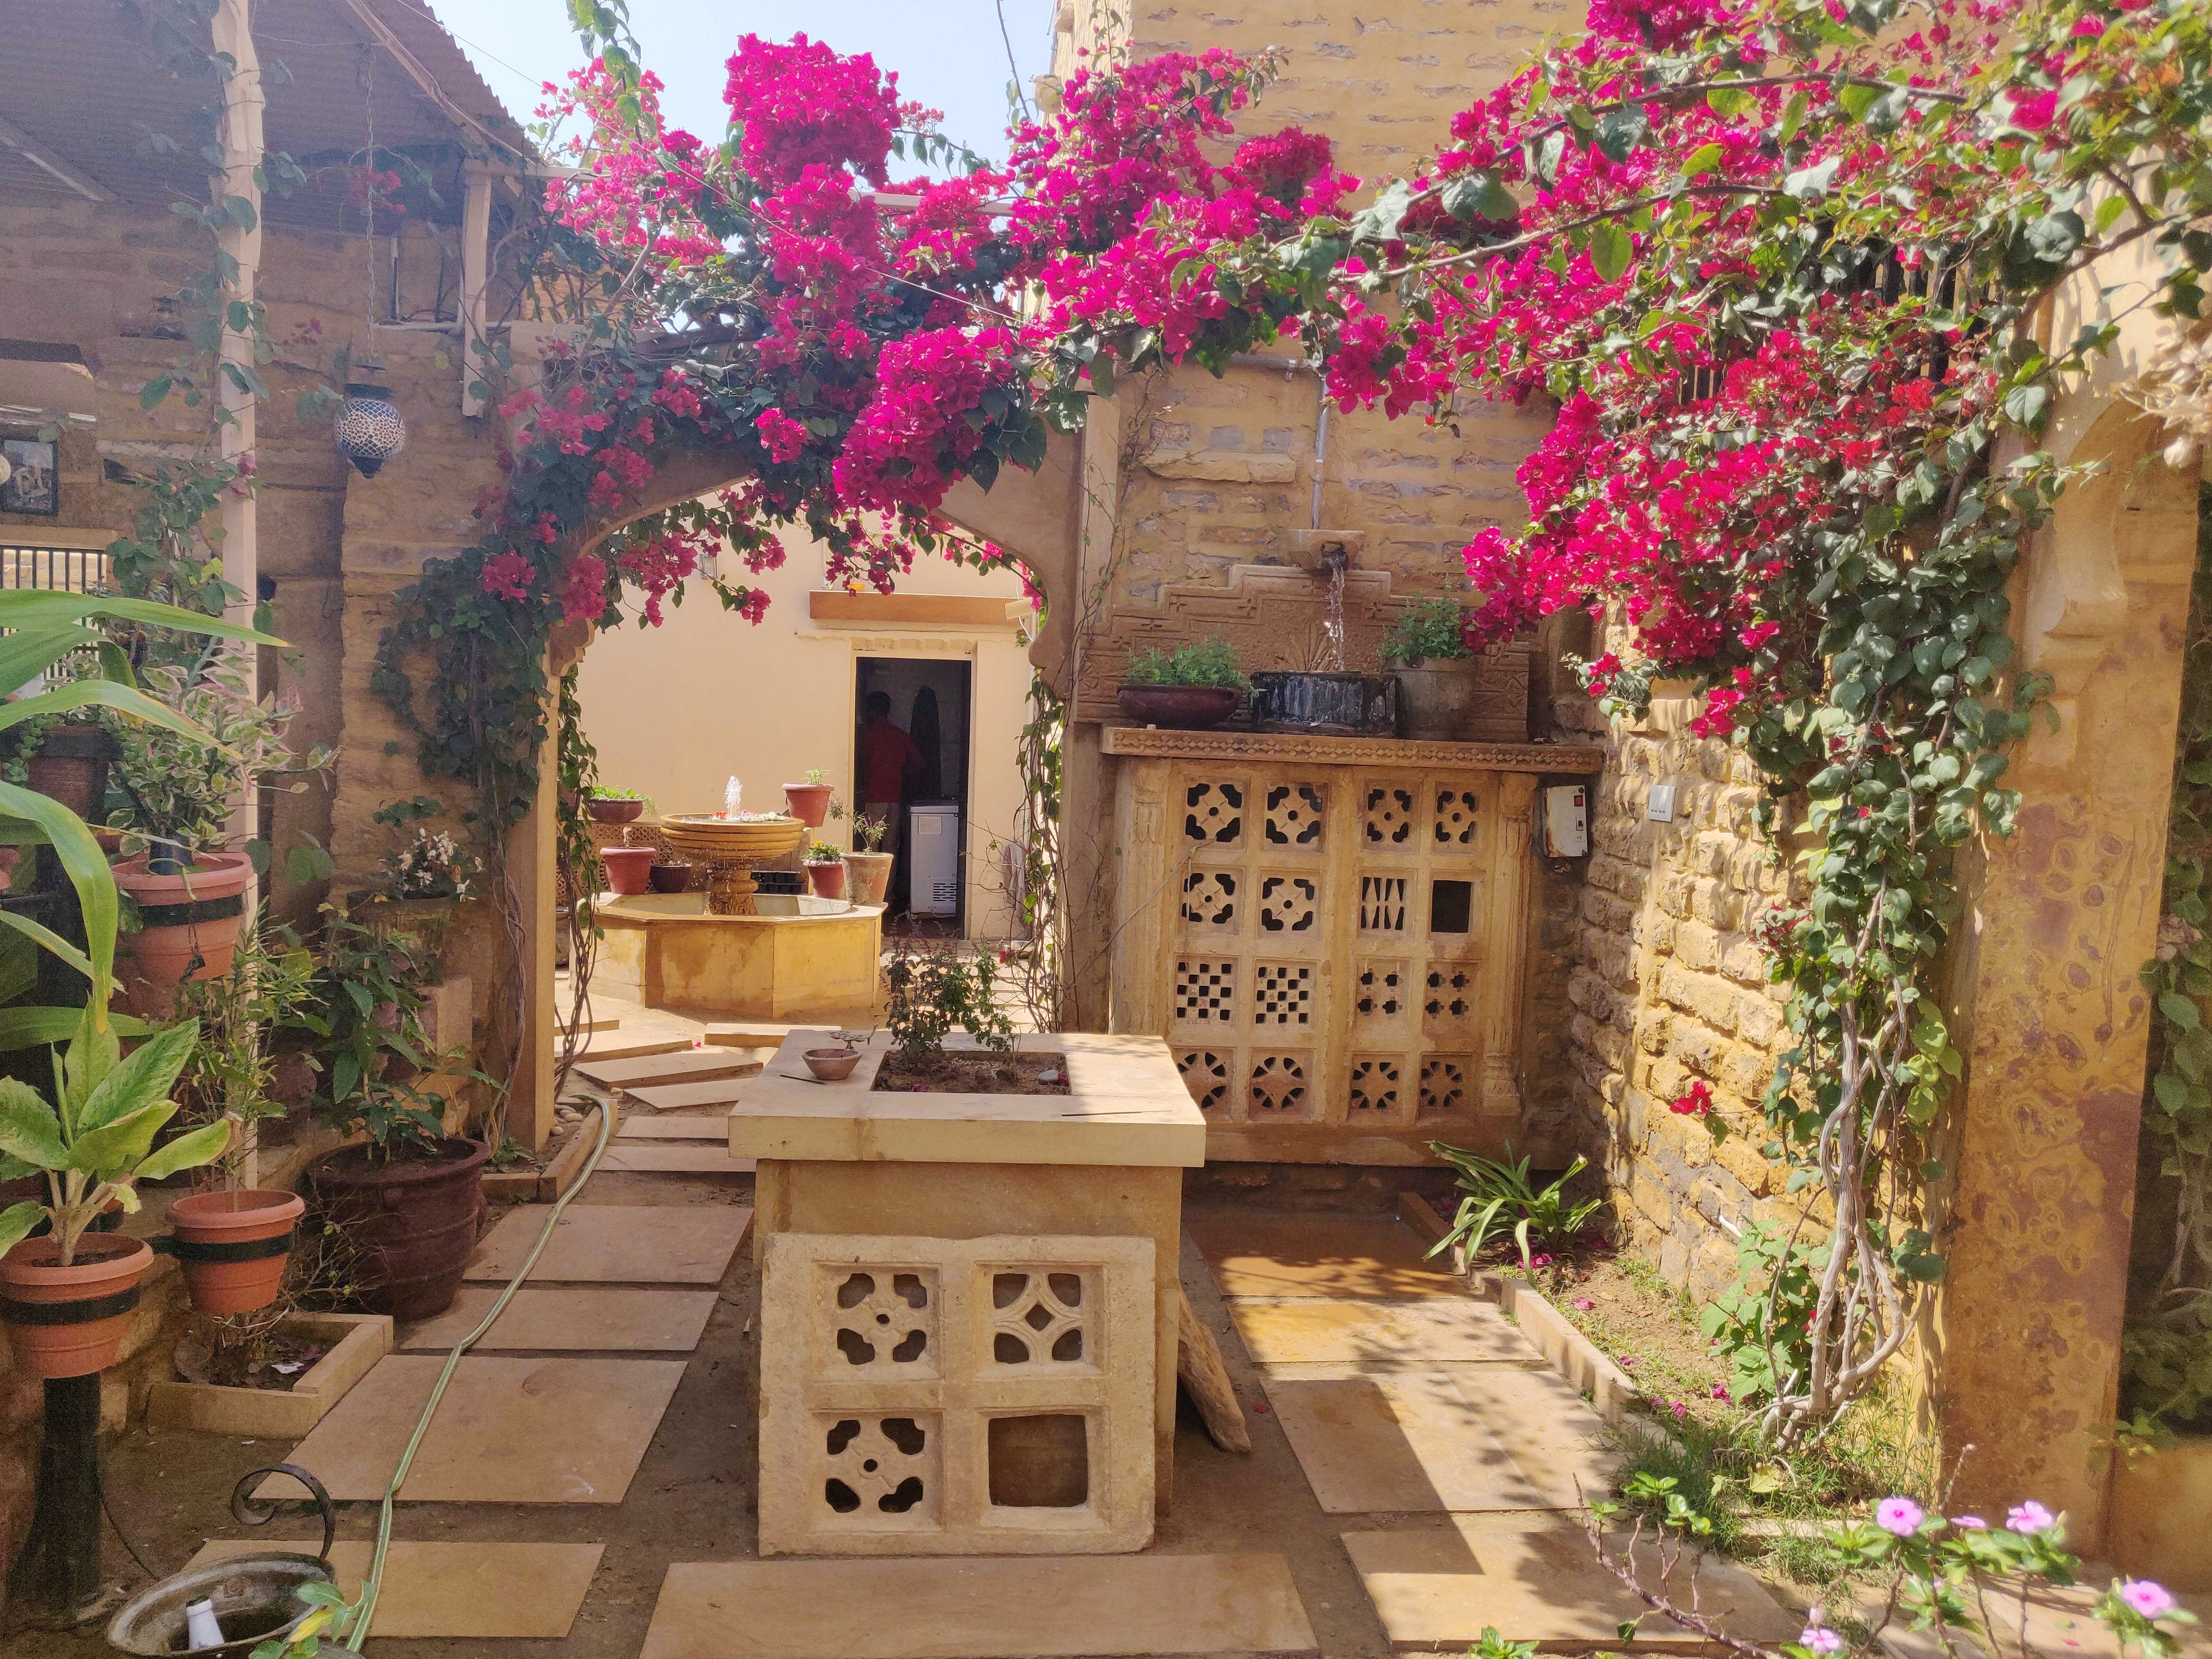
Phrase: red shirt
x=885 y=753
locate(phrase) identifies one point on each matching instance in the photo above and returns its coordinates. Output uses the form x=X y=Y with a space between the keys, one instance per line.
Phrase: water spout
x=1335 y=561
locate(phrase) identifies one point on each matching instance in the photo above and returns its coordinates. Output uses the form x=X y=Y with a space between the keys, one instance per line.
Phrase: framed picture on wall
x=34 y=482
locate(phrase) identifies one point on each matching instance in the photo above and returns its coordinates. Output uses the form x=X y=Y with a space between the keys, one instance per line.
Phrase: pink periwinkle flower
x=1900 y=1516
x=2151 y=1601
x=1820 y=1639
x=2029 y=1517
x=1969 y=1522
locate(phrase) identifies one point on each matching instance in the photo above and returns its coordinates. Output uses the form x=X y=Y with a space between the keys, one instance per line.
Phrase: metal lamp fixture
x=369 y=431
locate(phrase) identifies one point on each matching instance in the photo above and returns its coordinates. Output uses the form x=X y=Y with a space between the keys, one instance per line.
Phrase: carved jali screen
x=1330 y=934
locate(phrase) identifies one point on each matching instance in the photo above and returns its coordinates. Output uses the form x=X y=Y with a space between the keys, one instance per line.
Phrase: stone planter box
x=361 y=1340
x=2162 y=1513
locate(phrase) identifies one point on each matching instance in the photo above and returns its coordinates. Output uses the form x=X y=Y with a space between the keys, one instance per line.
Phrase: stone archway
x=1042 y=517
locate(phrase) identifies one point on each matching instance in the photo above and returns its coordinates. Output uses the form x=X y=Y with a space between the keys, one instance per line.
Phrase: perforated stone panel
x=885 y=1362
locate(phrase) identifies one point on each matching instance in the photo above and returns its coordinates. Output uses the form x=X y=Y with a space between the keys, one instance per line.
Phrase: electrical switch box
x=1566 y=821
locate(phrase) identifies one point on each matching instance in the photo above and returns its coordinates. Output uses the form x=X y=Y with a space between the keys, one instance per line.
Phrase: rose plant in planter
x=179 y=787
x=1426 y=649
x=1189 y=689
x=868 y=866
x=825 y=870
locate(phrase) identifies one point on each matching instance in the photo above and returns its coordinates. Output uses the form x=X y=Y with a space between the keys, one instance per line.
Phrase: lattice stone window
x=1209 y=898
x=1282 y=994
x=1443 y=1083
x=881 y=1470
x=1294 y=815
x=1206 y=1074
x=1206 y=992
x=1279 y=1086
x=1216 y=814
x=1456 y=817
x=1382 y=990
x=1451 y=994
x=1038 y=1318
x=887 y=1322
x=1383 y=904
x=1287 y=904
x=1374 y=1090
x=1390 y=816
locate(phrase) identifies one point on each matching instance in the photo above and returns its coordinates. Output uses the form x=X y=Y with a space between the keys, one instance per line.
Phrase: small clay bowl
x=832 y=1065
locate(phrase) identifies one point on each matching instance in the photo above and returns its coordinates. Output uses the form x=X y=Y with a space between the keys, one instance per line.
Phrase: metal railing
x=24 y=562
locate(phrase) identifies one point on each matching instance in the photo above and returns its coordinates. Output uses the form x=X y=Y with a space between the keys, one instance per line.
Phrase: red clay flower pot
x=828 y=878
x=870 y=875
x=809 y=802
x=191 y=929
x=70 y=1322
x=670 y=878
x=233 y=1246
x=629 y=869
x=413 y=1218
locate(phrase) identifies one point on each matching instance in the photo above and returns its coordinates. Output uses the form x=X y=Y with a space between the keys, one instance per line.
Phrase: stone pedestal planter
x=358 y=1340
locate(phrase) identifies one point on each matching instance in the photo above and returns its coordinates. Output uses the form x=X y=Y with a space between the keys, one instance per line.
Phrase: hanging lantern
x=369 y=431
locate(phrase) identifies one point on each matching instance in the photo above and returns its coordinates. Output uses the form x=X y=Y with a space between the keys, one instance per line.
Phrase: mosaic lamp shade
x=368 y=430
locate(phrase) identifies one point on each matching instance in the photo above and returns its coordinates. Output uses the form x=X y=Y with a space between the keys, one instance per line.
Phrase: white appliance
x=1566 y=822
x=932 y=831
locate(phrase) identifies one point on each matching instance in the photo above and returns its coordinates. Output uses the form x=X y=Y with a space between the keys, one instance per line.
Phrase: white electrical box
x=933 y=855
x=1566 y=821
x=1659 y=806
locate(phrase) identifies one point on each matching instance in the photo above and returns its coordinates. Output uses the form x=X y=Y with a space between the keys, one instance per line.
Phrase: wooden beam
x=908 y=610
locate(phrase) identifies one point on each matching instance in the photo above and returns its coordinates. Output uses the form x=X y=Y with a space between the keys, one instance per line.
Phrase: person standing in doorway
x=888 y=759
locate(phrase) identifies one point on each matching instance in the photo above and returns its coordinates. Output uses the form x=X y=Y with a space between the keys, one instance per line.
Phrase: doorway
x=928 y=701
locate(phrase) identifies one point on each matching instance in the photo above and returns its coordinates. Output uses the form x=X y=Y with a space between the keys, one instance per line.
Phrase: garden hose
x=356 y=1631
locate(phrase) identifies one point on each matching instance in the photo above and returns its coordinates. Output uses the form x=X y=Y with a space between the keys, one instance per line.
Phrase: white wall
x=674 y=711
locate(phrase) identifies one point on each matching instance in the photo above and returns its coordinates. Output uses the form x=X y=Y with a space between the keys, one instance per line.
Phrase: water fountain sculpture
x=731 y=848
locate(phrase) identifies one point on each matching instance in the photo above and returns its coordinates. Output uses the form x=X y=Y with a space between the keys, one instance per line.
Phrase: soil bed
x=272 y=1364
x=975 y=1074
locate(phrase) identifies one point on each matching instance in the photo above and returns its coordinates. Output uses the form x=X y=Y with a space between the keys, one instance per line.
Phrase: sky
x=948 y=53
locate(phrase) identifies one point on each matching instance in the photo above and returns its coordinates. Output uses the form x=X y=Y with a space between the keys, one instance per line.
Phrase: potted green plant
x=609 y=804
x=1426 y=651
x=425 y=880
x=1189 y=689
x=180 y=787
x=868 y=866
x=66 y=754
x=809 y=801
x=407 y=1193
x=825 y=870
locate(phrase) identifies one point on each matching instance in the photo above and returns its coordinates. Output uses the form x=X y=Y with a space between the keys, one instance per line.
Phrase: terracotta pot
x=1178 y=708
x=809 y=802
x=870 y=874
x=831 y=1065
x=629 y=869
x=191 y=929
x=71 y=767
x=670 y=878
x=603 y=811
x=412 y=1218
x=70 y=1321
x=828 y=877
x=233 y=1246
x=1435 y=695
x=9 y=858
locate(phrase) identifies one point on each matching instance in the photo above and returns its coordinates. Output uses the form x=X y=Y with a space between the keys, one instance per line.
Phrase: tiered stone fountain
x=731 y=848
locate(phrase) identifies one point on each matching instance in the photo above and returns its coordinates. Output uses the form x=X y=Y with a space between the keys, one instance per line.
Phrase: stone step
x=628 y=1045
x=683 y=1158
x=617 y=1244
x=669 y=1126
x=683 y=1096
x=675 y=1066
x=570 y=1319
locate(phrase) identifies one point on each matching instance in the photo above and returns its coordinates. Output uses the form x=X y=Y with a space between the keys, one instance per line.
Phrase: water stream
x=1331 y=629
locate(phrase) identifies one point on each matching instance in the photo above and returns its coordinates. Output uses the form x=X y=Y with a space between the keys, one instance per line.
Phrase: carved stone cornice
x=1157 y=743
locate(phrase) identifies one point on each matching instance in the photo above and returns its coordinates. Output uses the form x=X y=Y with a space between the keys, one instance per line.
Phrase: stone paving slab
x=1255 y=1253
x=508 y=1432
x=683 y=1158
x=571 y=1318
x=452 y=1590
x=978 y=1608
x=630 y=1045
x=662 y=1127
x=1440 y=1588
x=617 y=1244
x=1396 y=1444
x=677 y=1065
x=683 y=1096
x=1410 y=1336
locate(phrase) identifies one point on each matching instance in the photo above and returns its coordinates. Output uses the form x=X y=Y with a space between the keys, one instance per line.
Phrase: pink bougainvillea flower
x=1696 y=1103
x=2151 y=1601
x=1900 y=1516
x=2029 y=1517
x=2035 y=112
x=507 y=575
x=1584 y=1303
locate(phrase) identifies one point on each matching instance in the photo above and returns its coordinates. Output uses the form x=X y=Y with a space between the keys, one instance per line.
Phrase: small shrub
x=1500 y=1197
x=1432 y=627
x=934 y=989
x=1758 y=1325
x=1203 y=662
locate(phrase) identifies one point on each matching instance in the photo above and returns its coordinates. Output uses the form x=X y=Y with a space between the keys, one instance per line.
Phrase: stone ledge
x=1157 y=743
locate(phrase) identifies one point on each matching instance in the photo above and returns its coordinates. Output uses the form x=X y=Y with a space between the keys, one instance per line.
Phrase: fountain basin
x=671 y=951
x=1344 y=705
x=731 y=848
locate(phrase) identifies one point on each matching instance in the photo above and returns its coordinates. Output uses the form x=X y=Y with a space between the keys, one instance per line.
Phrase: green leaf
x=28 y=1128
x=1480 y=194
x=39 y=933
x=1793 y=116
x=33 y=650
x=106 y=694
x=26 y=607
x=1728 y=101
x=2179 y=1009
x=16 y=1222
x=1621 y=131
x=151 y=394
x=87 y=868
x=28 y=1027
x=187 y=1151
x=1705 y=159
x=1610 y=250
x=1810 y=184
x=115 y=1149
x=143 y=1079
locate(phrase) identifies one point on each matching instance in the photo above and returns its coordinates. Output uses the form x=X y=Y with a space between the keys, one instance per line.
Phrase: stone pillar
x=2022 y=1350
x=1145 y=896
x=1505 y=952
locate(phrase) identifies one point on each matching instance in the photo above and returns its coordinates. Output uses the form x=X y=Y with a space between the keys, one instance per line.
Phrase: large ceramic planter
x=828 y=877
x=809 y=802
x=670 y=878
x=1178 y=708
x=605 y=810
x=629 y=869
x=1435 y=695
x=189 y=928
x=1340 y=705
x=232 y=1247
x=412 y=1218
x=71 y=767
x=870 y=874
x=70 y=1322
